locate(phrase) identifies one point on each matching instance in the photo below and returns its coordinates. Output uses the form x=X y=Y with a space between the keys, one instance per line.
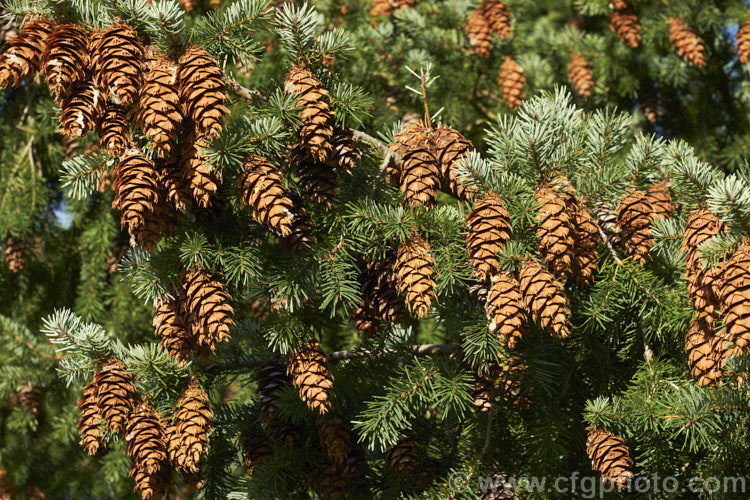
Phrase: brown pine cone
x=160 y=109
x=610 y=456
x=118 y=63
x=147 y=450
x=271 y=378
x=420 y=170
x=450 y=147
x=379 y=283
x=310 y=374
x=91 y=418
x=15 y=254
x=479 y=30
x=30 y=398
x=301 y=236
x=735 y=299
x=586 y=238
x=136 y=189
x=705 y=353
x=365 y=320
x=256 y=450
x=581 y=75
x=687 y=44
x=335 y=439
x=175 y=185
x=484 y=389
x=414 y=266
x=317 y=116
x=648 y=98
x=402 y=456
x=345 y=154
x=329 y=481
x=23 y=57
x=634 y=216
x=488 y=231
x=701 y=225
x=176 y=337
x=661 y=200
x=188 y=5
x=201 y=88
x=114 y=396
x=625 y=24
x=380 y=8
x=202 y=180
x=318 y=180
x=262 y=188
x=498 y=16
x=743 y=42
x=505 y=308
x=554 y=230
x=81 y=108
x=65 y=58
x=113 y=129
x=189 y=437
x=208 y=309
x=544 y=298
x=512 y=81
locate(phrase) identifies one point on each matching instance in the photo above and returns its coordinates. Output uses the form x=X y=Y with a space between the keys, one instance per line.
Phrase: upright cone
x=201 y=87
x=544 y=298
x=114 y=396
x=310 y=374
x=505 y=308
x=414 y=266
x=687 y=44
x=317 y=116
x=581 y=75
x=188 y=439
x=610 y=456
x=512 y=81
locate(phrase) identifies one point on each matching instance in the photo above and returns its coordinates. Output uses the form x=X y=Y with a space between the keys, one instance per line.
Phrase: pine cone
x=261 y=188
x=65 y=58
x=580 y=74
x=174 y=184
x=188 y=5
x=743 y=42
x=512 y=81
x=609 y=456
x=318 y=180
x=497 y=15
x=687 y=44
x=380 y=8
x=554 y=230
x=420 y=170
x=344 y=151
x=479 y=31
x=189 y=438
x=160 y=107
x=735 y=299
x=606 y=218
x=34 y=493
x=414 y=266
x=8 y=29
x=489 y=230
x=285 y=433
x=450 y=147
x=30 y=398
x=505 y=308
x=402 y=456
x=208 y=310
x=115 y=394
x=701 y=225
x=329 y=481
x=661 y=200
x=500 y=488
x=80 y=109
x=705 y=353
x=271 y=378
x=113 y=129
x=256 y=450
x=648 y=98
x=24 y=55
x=15 y=253
x=634 y=215
x=136 y=189
x=365 y=320
x=379 y=282
x=147 y=450
x=317 y=116
x=118 y=63
x=150 y=485
x=335 y=439
x=625 y=24
x=201 y=90
x=585 y=240
x=301 y=237
x=169 y=321
x=544 y=298
x=91 y=419
x=203 y=181
x=484 y=397
x=310 y=374
x=702 y=289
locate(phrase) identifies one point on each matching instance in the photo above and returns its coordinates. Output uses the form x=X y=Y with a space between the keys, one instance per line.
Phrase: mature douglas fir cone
x=498 y=16
x=81 y=108
x=65 y=58
x=625 y=24
x=317 y=116
x=554 y=230
x=505 y=308
x=420 y=170
x=24 y=55
x=580 y=74
x=318 y=180
x=634 y=216
x=586 y=238
x=176 y=337
x=202 y=180
x=262 y=188
x=15 y=253
x=450 y=147
x=610 y=456
x=661 y=200
x=701 y=225
x=488 y=230
x=479 y=31
x=147 y=450
x=188 y=438
x=687 y=44
x=743 y=42
x=113 y=129
x=114 y=396
x=91 y=418
x=335 y=438
x=174 y=185
x=201 y=88
x=705 y=352
x=544 y=298
x=272 y=378
x=735 y=299
x=512 y=81
x=414 y=267
x=208 y=309
x=345 y=154
x=402 y=456
x=118 y=64
x=310 y=374
x=379 y=283
x=136 y=189
x=160 y=108
x=301 y=236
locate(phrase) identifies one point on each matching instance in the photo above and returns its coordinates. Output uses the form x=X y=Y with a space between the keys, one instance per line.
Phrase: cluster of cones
x=490 y=18
x=155 y=445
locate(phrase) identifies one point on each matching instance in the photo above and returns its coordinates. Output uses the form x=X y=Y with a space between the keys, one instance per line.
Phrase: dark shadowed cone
x=208 y=308
x=356 y=464
x=480 y=33
x=420 y=171
x=30 y=397
x=365 y=320
x=414 y=267
x=402 y=456
x=501 y=488
x=256 y=450
x=648 y=98
x=610 y=456
x=174 y=184
x=136 y=189
x=735 y=299
x=65 y=58
x=505 y=308
x=661 y=200
x=34 y=493
x=157 y=225
x=512 y=81
x=743 y=42
x=484 y=393
x=113 y=129
x=15 y=253
x=329 y=481
x=119 y=64
x=687 y=44
x=189 y=438
x=176 y=337
x=285 y=433
x=580 y=74
x=160 y=107
x=115 y=394
x=7 y=490
x=585 y=240
x=317 y=115
x=379 y=282
x=335 y=439
x=318 y=180
x=201 y=88
x=80 y=109
x=606 y=219
x=705 y=353
x=625 y=24
x=344 y=154
x=91 y=418
x=701 y=225
x=262 y=188
x=450 y=147
x=147 y=450
x=489 y=229
x=544 y=298
x=310 y=374
x=634 y=215
x=498 y=16
x=202 y=180
x=301 y=237
x=24 y=55
x=271 y=378
x=554 y=230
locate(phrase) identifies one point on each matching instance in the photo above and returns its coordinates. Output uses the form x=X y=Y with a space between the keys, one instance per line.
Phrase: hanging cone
x=7 y=491
x=174 y=184
x=30 y=398
x=65 y=58
x=201 y=88
x=701 y=225
x=625 y=24
x=450 y=147
x=8 y=29
x=380 y=8
x=345 y=154
x=489 y=230
x=365 y=320
x=484 y=392
x=580 y=74
x=90 y=421
x=502 y=488
x=735 y=299
x=160 y=108
x=301 y=237
x=23 y=57
x=544 y=298
x=157 y=226
x=743 y=42
x=169 y=321
x=80 y=109
x=115 y=394
x=113 y=129
x=661 y=200
x=271 y=378
x=150 y=486
x=415 y=266
x=33 y=492
x=261 y=188
x=208 y=310
x=419 y=176
x=379 y=282
x=480 y=33
x=609 y=456
x=15 y=254
x=310 y=374
x=705 y=353
x=317 y=116
x=147 y=450
x=256 y=450
x=505 y=308
x=634 y=215
x=329 y=481
x=554 y=230
x=202 y=180
x=512 y=81
x=498 y=16
x=586 y=238
x=285 y=433
x=335 y=439
x=402 y=456
x=119 y=64
x=189 y=5
x=136 y=189
x=687 y=44
x=648 y=98
x=189 y=437
x=317 y=180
